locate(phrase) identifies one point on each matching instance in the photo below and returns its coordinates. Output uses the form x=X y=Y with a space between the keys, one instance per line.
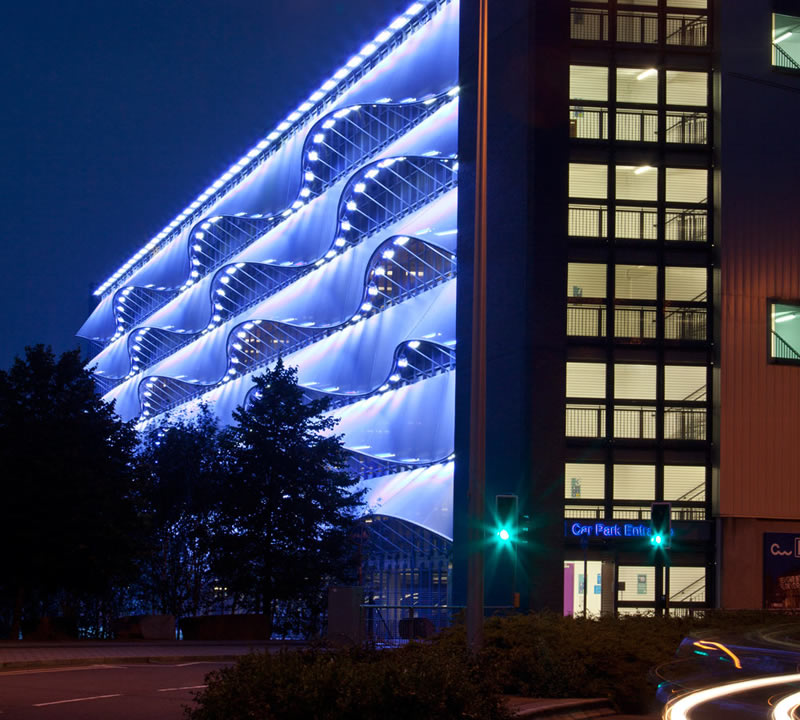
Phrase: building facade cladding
x=334 y=247
x=759 y=246
x=600 y=236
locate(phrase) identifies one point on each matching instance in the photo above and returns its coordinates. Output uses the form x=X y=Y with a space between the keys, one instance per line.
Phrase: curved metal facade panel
x=335 y=250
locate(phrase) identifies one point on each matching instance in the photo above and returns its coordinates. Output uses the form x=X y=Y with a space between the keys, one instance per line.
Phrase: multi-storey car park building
x=643 y=292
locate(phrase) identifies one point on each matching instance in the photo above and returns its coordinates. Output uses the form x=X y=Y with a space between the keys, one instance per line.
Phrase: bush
x=536 y=655
x=415 y=681
x=551 y=656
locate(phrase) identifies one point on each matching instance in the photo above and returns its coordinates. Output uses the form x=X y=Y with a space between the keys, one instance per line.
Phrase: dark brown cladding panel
x=760 y=401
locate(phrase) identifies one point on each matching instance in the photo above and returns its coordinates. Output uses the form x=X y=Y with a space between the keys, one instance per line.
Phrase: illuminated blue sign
x=607 y=529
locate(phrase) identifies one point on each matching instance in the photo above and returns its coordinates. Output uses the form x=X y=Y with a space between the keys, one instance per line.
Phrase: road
x=99 y=692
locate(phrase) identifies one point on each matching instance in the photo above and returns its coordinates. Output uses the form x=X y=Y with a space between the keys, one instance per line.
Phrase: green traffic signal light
x=656 y=539
x=505 y=536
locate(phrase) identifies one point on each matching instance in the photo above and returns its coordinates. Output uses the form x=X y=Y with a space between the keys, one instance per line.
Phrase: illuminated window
x=784 y=332
x=786 y=42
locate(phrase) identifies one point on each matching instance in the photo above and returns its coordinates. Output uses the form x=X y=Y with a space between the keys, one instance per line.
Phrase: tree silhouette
x=67 y=523
x=286 y=521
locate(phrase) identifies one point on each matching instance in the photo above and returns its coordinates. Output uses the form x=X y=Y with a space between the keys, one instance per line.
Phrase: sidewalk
x=29 y=655
x=569 y=709
x=21 y=655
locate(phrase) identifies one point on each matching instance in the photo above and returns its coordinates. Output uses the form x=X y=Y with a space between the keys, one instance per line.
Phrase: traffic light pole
x=476 y=506
x=659 y=569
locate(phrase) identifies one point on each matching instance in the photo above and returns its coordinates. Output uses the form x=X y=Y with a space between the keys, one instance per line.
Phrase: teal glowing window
x=786 y=41
x=785 y=332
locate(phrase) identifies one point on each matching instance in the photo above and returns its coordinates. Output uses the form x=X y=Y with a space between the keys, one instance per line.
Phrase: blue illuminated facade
x=331 y=243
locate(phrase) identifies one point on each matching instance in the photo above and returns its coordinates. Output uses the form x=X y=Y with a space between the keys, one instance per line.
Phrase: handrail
x=699 y=20
x=685 y=589
x=687 y=211
x=702 y=297
x=793 y=64
x=683 y=118
x=794 y=354
x=699 y=393
x=689 y=495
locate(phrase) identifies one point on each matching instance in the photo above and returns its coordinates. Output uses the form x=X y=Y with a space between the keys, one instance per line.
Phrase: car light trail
x=710 y=645
x=679 y=709
x=784 y=710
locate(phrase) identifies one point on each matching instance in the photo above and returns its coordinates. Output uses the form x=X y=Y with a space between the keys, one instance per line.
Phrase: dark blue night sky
x=117 y=113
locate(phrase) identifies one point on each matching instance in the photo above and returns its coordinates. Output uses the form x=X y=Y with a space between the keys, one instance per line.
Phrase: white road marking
x=7 y=673
x=187 y=687
x=73 y=700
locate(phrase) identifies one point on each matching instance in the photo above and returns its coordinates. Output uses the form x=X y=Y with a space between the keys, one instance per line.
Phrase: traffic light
x=661 y=524
x=507 y=518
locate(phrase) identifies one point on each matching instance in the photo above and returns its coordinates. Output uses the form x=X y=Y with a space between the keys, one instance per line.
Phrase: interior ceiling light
x=643 y=169
x=783 y=37
x=647 y=73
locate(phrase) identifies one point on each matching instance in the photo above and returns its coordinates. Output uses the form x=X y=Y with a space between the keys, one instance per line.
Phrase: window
x=684 y=484
x=588 y=181
x=685 y=185
x=586 y=290
x=584 y=481
x=635 y=301
x=685 y=311
x=634 y=382
x=684 y=383
x=586 y=380
x=637 y=182
x=784 y=332
x=588 y=82
x=786 y=42
x=635 y=482
x=637 y=85
x=687 y=88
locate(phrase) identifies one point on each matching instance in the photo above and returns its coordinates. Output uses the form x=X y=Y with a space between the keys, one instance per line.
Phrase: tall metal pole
x=477 y=444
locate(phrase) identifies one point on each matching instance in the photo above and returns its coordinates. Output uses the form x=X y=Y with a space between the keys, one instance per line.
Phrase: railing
x=687 y=128
x=641 y=512
x=586 y=421
x=690 y=591
x=686 y=323
x=693 y=494
x=586 y=320
x=782 y=59
x=639 y=223
x=781 y=350
x=638 y=422
x=588 y=123
x=589 y=221
x=689 y=513
x=686 y=225
x=585 y=512
x=637 y=27
x=688 y=30
x=395 y=624
x=685 y=423
x=635 y=321
x=587 y=24
x=637 y=125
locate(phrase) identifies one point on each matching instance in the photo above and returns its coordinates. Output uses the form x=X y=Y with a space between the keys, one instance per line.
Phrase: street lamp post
x=477 y=453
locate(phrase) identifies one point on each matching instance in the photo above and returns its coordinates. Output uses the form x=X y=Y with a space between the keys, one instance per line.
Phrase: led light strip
x=314 y=100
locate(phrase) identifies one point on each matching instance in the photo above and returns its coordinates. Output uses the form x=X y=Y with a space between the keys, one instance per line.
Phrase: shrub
x=422 y=681
x=552 y=656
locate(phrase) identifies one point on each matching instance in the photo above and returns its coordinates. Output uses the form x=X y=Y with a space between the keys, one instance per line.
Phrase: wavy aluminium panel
x=332 y=244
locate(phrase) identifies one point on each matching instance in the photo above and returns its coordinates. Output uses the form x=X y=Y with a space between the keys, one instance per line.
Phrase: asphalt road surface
x=100 y=692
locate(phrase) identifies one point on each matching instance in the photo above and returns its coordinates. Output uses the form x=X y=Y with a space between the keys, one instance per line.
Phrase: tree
x=182 y=472
x=285 y=525
x=66 y=517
